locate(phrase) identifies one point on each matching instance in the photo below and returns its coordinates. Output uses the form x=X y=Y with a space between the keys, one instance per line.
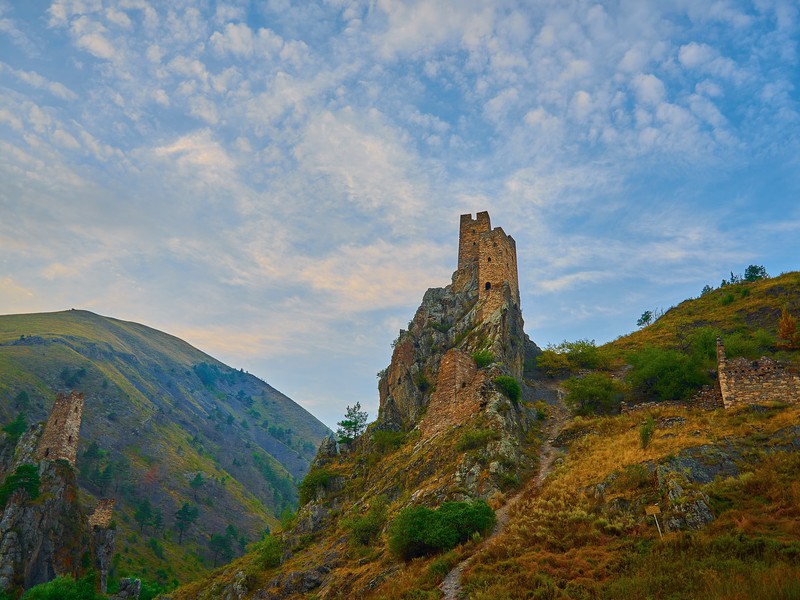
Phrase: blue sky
x=279 y=183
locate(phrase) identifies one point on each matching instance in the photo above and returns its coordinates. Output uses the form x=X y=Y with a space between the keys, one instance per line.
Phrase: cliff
x=456 y=423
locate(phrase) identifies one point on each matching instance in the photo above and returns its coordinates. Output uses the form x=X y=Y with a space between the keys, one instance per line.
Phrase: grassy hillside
x=745 y=314
x=164 y=424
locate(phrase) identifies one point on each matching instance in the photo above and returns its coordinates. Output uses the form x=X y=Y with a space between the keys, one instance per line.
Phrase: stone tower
x=61 y=433
x=491 y=256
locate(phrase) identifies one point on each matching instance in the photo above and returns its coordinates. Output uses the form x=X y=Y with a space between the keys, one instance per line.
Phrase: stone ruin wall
x=456 y=397
x=743 y=381
x=103 y=513
x=62 y=431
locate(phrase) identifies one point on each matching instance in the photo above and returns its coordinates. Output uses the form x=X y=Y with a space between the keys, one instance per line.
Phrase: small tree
x=645 y=319
x=220 y=544
x=755 y=272
x=196 y=483
x=184 y=519
x=143 y=514
x=787 y=328
x=16 y=428
x=353 y=424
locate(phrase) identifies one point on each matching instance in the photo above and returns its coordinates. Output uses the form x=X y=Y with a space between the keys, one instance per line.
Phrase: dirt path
x=451 y=586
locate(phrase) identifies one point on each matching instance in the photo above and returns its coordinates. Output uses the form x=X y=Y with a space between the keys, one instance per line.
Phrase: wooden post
x=654 y=510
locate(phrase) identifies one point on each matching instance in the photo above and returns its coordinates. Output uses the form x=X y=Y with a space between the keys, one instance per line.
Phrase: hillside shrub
x=367 y=528
x=25 y=477
x=593 y=393
x=509 y=386
x=64 y=588
x=420 y=531
x=473 y=439
x=268 y=551
x=315 y=480
x=483 y=358
x=660 y=374
x=570 y=357
x=386 y=441
x=16 y=428
x=647 y=430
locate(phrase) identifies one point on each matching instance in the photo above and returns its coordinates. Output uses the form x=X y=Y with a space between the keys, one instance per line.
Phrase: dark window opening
x=70 y=439
x=489 y=259
x=488 y=285
x=47 y=452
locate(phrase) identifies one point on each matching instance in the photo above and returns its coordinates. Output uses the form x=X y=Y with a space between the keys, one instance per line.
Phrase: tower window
x=488 y=285
x=489 y=259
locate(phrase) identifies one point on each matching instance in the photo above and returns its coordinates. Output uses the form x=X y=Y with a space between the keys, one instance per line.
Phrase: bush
x=646 y=431
x=483 y=358
x=16 y=428
x=367 y=528
x=476 y=438
x=386 y=441
x=593 y=393
x=315 y=480
x=420 y=531
x=25 y=477
x=64 y=588
x=269 y=552
x=509 y=386
x=661 y=374
x=568 y=357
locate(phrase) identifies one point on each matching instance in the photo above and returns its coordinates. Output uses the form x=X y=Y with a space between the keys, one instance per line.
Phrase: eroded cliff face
x=451 y=320
x=44 y=537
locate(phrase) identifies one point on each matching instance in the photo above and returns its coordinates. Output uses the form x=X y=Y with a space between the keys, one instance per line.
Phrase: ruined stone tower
x=61 y=433
x=491 y=255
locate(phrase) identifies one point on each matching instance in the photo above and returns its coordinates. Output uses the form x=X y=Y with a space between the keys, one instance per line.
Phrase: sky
x=278 y=183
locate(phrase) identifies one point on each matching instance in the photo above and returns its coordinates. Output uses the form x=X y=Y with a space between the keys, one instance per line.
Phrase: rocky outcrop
x=46 y=537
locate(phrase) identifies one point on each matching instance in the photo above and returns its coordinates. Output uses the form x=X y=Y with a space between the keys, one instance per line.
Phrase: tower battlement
x=62 y=431
x=493 y=256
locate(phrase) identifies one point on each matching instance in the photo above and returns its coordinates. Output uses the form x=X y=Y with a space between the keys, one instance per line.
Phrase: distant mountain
x=164 y=424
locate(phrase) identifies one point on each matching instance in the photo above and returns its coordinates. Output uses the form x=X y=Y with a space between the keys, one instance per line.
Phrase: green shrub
x=268 y=552
x=16 y=428
x=386 y=441
x=25 y=477
x=483 y=358
x=64 y=588
x=509 y=386
x=553 y=363
x=476 y=438
x=593 y=393
x=367 y=528
x=661 y=374
x=422 y=382
x=420 y=531
x=646 y=431
x=726 y=299
x=315 y=480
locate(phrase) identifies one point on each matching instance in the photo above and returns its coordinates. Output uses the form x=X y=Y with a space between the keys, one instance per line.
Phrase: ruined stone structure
x=494 y=254
x=61 y=434
x=743 y=381
x=456 y=396
x=102 y=515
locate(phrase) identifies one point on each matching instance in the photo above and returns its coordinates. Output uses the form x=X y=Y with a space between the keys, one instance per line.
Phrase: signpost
x=654 y=510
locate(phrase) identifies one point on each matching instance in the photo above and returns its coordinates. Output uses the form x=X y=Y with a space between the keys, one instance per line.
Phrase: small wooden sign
x=652 y=510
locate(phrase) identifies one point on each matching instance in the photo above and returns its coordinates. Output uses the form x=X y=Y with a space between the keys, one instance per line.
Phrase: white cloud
x=649 y=89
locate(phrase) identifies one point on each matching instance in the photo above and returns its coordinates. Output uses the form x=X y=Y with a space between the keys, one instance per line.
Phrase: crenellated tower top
x=492 y=256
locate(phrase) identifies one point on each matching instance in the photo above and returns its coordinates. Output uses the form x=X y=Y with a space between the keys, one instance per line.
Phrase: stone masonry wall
x=62 y=431
x=743 y=381
x=493 y=255
x=456 y=398
x=102 y=515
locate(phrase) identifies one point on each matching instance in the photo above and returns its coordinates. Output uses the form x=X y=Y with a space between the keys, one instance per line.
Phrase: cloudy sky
x=278 y=183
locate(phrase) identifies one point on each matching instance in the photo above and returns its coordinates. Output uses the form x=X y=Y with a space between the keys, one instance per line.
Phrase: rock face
x=479 y=311
x=42 y=539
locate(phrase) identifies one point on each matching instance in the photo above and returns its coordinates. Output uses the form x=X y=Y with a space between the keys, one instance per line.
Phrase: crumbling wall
x=61 y=434
x=456 y=397
x=743 y=381
x=103 y=513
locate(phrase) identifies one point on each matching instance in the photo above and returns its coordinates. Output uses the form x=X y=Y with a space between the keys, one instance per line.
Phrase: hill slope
x=158 y=412
x=725 y=482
